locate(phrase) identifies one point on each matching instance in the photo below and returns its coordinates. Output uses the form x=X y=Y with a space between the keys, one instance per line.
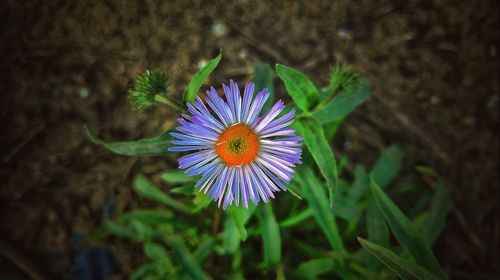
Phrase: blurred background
x=433 y=65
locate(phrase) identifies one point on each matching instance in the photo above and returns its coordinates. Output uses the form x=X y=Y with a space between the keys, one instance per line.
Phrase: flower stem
x=170 y=102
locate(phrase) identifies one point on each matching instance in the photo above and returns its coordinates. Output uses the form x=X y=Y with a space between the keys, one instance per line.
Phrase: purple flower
x=239 y=153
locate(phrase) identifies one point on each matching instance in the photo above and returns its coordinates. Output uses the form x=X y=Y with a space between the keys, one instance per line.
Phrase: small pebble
x=344 y=33
x=83 y=92
x=219 y=29
x=435 y=100
x=202 y=63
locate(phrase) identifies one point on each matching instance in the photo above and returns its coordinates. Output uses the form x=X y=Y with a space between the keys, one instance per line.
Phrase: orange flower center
x=237 y=145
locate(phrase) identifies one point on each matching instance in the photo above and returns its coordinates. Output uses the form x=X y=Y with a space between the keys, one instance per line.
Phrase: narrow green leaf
x=280 y=273
x=194 y=85
x=120 y=230
x=377 y=230
x=405 y=269
x=318 y=203
x=143 y=231
x=348 y=211
x=296 y=219
x=341 y=105
x=299 y=87
x=154 y=251
x=148 y=147
x=440 y=208
x=236 y=263
x=294 y=190
x=376 y=226
x=315 y=140
x=405 y=232
x=325 y=92
x=387 y=166
x=175 y=176
x=204 y=249
x=200 y=201
x=270 y=232
x=360 y=184
x=186 y=190
x=263 y=77
x=188 y=262
x=312 y=269
x=231 y=237
x=152 y=218
x=331 y=129
x=146 y=271
x=240 y=216
x=145 y=188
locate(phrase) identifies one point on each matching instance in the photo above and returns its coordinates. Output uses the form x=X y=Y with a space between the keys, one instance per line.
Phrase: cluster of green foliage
x=330 y=227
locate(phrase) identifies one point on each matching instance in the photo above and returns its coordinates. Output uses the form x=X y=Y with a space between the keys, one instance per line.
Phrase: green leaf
x=360 y=184
x=325 y=92
x=440 y=208
x=148 y=147
x=376 y=228
x=331 y=129
x=175 y=176
x=231 y=238
x=152 y=217
x=187 y=190
x=154 y=251
x=270 y=232
x=145 y=188
x=405 y=269
x=120 y=230
x=312 y=269
x=405 y=232
x=145 y=272
x=318 y=203
x=204 y=249
x=387 y=166
x=315 y=140
x=200 y=201
x=263 y=77
x=187 y=261
x=194 y=85
x=294 y=190
x=341 y=105
x=299 y=87
x=240 y=216
x=296 y=219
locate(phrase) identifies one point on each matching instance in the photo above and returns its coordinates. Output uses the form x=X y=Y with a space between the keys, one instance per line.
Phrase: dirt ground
x=434 y=66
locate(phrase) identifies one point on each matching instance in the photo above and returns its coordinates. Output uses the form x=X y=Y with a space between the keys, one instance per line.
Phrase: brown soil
x=433 y=64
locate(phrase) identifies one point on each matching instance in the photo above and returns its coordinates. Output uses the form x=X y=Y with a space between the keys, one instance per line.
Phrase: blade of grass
x=194 y=85
x=405 y=269
x=145 y=188
x=318 y=203
x=296 y=219
x=187 y=261
x=240 y=216
x=316 y=142
x=270 y=233
x=148 y=147
x=387 y=166
x=440 y=208
x=405 y=232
